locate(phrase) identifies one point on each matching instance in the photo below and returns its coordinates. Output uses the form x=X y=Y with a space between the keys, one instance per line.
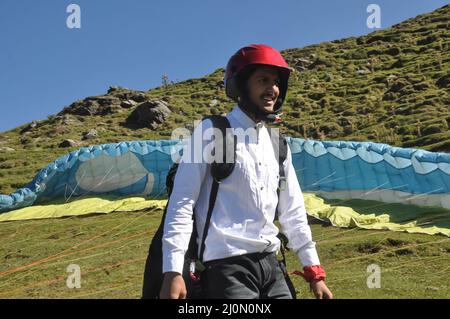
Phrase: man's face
x=263 y=87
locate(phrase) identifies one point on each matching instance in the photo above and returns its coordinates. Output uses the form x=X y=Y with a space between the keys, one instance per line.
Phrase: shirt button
x=259 y=163
x=262 y=188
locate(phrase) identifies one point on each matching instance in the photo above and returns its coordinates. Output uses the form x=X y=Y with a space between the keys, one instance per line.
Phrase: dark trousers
x=251 y=276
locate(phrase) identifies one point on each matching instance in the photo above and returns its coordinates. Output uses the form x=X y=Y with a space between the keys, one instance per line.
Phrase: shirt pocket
x=248 y=169
x=244 y=174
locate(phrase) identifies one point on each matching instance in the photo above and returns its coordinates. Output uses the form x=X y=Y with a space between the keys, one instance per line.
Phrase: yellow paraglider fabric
x=377 y=215
x=350 y=213
x=83 y=206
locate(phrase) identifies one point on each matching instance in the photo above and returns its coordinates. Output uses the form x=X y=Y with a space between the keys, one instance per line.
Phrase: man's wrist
x=312 y=273
x=171 y=274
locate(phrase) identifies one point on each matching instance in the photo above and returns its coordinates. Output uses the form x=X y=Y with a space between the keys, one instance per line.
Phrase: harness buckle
x=282 y=183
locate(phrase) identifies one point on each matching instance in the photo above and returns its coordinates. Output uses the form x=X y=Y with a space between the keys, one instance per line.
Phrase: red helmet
x=251 y=55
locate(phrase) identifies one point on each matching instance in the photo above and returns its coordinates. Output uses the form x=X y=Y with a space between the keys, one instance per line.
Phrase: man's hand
x=320 y=289
x=173 y=286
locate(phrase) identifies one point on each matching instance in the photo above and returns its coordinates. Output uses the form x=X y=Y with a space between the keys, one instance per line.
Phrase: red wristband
x=311 y=273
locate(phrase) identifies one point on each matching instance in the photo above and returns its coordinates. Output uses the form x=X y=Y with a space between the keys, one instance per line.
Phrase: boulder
x=90 y=135
x=149 y=114
x=83 y=108
x=69 y=143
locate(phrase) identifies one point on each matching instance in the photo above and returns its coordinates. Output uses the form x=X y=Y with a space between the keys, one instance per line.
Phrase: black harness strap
x=212 y=201
x=219 y=171
x=280 y=149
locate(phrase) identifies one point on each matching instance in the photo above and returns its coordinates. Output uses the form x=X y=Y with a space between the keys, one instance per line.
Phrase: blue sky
x=45 y=66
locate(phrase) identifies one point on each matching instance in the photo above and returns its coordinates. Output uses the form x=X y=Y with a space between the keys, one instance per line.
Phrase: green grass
x=111 y=251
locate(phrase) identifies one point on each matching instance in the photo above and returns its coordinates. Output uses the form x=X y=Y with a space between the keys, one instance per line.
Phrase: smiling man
x=241 y=244
x=263 y=87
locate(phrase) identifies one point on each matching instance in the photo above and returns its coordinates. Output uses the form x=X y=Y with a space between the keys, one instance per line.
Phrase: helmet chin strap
x=249 y=107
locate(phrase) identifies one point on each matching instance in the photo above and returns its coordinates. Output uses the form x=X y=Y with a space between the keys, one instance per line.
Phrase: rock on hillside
x=116 y=100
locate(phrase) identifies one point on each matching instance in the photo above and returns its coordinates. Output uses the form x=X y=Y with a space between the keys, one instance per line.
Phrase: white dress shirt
x=242 y=218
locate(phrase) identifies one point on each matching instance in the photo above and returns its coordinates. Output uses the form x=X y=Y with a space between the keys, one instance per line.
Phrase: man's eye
x=266 y=80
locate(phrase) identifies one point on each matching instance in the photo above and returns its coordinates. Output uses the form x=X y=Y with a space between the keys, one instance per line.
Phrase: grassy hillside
x=391 y=86
x=111 y=251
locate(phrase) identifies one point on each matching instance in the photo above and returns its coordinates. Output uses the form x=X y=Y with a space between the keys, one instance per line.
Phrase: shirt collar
x=243 y=119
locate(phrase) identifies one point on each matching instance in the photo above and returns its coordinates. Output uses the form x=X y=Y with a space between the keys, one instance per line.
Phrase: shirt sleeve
x=187 y=184
x=293 y=219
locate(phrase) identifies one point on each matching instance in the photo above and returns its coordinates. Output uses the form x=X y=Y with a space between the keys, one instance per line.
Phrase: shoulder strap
x=219 y=171
x=212 y=202
x=279 y=144
x=227 y=145
x=280 y=149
